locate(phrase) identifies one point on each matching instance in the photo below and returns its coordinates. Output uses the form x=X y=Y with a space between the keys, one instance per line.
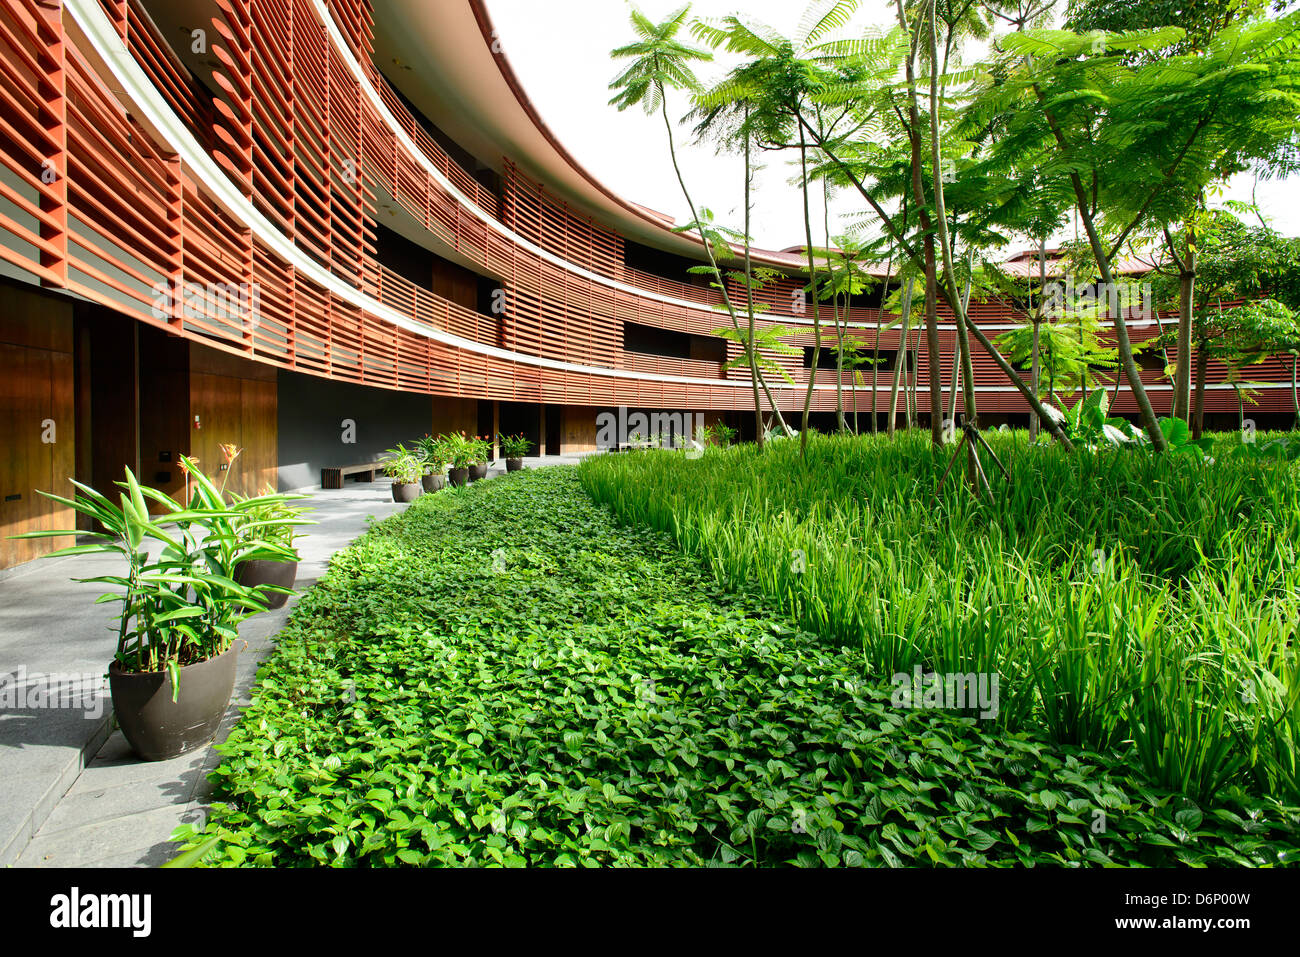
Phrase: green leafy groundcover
x=504 y=675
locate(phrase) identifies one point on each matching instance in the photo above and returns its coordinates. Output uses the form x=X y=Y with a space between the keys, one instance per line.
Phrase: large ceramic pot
x=434 y=482
x=406 y=491
x=158 y=728
x=477 y=472
x=514 y=465
x=458 y=477
x=260 y=571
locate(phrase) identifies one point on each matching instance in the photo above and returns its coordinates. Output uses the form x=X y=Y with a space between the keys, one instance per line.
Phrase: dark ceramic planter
x=477 y=472
x=158 y=728
x=458 y=477
x=514 y=465
x=434 y=482
x=406 y=491
x=264 y=572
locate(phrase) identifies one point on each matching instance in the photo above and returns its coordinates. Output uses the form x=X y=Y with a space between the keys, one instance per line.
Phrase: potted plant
x=406 y=469
x=434 y=453
x=273 y=521
x=481 y=452
x=173 y=672
x=460 y=452
x=514 y=448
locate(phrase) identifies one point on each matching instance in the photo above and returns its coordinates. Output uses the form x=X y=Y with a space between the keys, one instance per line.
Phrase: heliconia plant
x=403 y=466
x=515 y=446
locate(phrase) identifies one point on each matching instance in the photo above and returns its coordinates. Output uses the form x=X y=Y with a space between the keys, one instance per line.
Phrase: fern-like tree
x=731 y=116
x=1237 y=262
x=661 y=62
x=779 y=81
x=1201 y=21
x=1137 y=137
x=880 y=75
x=845 y=277
x=1251 y=334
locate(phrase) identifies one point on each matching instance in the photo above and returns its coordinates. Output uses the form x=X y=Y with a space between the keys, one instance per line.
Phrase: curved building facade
x=314 y=228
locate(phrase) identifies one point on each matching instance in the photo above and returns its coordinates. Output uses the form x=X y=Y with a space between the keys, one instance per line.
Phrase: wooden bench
x=333 y=477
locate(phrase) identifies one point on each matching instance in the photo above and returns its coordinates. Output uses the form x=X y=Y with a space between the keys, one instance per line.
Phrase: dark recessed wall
x=311 y=424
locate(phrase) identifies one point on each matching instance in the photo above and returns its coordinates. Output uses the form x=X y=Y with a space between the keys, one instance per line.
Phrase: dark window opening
x=826 y=359
x=888 y=359
x=409 y=260
x=1153 y=360
x=872 y=298
x=652 y=341
x=662 y=264
x=491 y=297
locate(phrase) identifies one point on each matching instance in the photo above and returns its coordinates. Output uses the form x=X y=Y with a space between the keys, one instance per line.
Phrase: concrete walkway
x=71 y=792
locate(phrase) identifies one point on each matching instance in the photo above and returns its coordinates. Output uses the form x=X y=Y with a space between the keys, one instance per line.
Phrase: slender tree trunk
x=970 y=411
x=812 y=284
x=1202 y=365
x=840 y=424
x=1186 y=308
x=856 y=430
x=875 y=356
x=913 y=372
x=1127 y=363
x=955 y=382
x=900 y=357
x=708 y=249
x=1295 y=395
x=751 y=348
x=1035 y=370
x=927 y=232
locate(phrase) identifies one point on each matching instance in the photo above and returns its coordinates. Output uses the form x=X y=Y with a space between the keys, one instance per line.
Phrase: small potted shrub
x=460 y=454
x=514 y=448
x=173 y=672
x=406 y=469
x=273 y=521
x=434 y=453
x=481 y=452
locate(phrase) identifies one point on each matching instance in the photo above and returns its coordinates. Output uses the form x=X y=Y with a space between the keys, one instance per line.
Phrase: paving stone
x=85 y=846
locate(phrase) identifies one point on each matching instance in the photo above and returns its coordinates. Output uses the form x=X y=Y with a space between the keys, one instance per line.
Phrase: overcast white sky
x=560 y=50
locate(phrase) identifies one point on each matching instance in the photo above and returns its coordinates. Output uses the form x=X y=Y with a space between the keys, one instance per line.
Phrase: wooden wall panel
x=454 y=283
x=259 y=435
x=164 y=419
x=110 y=416
x=454 y=415
x=240 y=412
x=216 y=400
x=578 y=431
x=37 y=404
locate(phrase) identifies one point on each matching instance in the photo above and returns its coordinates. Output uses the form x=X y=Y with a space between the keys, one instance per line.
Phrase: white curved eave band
x=103 y=36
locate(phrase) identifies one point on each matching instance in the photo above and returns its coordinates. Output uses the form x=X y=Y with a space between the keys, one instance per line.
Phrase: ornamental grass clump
x=1125 y=600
